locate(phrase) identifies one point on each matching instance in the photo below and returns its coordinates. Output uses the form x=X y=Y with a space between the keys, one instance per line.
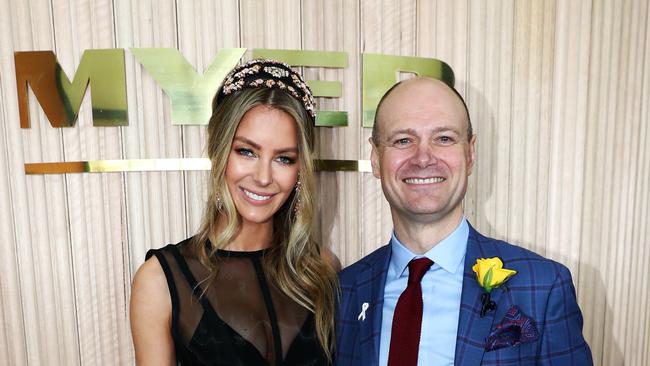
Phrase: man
x=417 y=301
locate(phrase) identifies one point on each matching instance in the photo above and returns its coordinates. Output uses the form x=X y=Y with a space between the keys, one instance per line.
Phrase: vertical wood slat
x=490 y=48
x=66 y=42
x=610 y=189
x=613 y=321
x=46 y=272
x=334 y=28
x=591 y=284
x=480 y=184
x=132 y=237
x=639 y=265
x=629 y=89
x=127 y=20
x=500 y=26
x=528 y=88
x=568 y=123
x=12 y=332
x=208 y=27
x=155 y=200
x=628 y=99
x=93 y=202
x=642 y=215
x=12 y=336
x=538 y=222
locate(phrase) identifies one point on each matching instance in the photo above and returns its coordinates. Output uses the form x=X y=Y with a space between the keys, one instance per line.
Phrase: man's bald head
x=406 y=84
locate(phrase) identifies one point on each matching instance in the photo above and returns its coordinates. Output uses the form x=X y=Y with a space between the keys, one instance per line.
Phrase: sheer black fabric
x=242 y=319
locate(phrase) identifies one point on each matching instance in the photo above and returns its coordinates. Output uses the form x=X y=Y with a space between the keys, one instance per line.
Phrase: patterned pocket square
x=515 y=328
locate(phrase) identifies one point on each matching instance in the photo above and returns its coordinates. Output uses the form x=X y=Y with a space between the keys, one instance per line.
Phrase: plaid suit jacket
x=542 y=289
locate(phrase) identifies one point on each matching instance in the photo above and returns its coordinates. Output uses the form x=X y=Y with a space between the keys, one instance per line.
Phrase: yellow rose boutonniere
x=490 y=275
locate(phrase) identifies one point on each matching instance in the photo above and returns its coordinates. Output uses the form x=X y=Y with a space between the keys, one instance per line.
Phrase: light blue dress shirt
x=442 y=285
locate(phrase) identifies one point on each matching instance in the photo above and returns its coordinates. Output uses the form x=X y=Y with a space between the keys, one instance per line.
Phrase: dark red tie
x=407 y=319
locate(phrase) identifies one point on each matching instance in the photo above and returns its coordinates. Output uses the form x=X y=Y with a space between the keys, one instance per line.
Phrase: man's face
x=423 y=157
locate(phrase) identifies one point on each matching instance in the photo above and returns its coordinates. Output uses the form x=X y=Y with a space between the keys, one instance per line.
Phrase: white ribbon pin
x=362 y=314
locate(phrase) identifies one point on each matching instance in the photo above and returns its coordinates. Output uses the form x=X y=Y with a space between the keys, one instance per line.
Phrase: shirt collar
x=447 y=254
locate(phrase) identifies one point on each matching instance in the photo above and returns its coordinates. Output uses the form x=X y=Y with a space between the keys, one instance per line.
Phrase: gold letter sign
x=380 y=73
x=190 y=93
x=61 y=99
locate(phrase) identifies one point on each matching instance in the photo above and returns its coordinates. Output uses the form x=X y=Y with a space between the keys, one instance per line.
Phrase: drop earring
x=297 y=203
x=218 y=202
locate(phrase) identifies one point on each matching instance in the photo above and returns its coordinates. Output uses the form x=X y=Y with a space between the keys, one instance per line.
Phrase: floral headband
x=268 y=74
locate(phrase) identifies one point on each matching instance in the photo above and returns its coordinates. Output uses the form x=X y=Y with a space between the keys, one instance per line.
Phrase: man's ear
x=471 y=154
x=374 y=159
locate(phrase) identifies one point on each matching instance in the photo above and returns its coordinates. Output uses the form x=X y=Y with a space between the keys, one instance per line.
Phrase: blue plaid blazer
x=542 y=289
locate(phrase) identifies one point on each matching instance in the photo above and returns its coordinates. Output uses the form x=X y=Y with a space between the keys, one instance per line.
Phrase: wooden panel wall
x=558 y=91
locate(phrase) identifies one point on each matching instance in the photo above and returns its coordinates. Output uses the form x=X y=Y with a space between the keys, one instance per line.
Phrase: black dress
x=242 y=318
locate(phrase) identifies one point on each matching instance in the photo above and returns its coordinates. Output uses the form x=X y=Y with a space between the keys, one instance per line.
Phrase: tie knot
x=418 y=267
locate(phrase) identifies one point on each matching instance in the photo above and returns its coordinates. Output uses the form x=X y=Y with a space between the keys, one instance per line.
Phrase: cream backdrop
x=559 y=92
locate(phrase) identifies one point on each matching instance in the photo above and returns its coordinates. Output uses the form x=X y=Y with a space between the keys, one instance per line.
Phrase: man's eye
x=402 y=141
x=285 y=160
x=445 y=140
x=245 y=152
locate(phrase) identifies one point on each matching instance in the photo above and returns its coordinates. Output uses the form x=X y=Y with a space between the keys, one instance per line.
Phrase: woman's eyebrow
x=290 y=149
x=287 y=150
x=247 y=141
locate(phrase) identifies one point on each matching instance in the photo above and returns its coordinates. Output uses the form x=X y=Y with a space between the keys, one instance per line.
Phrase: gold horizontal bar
x=110 y=166
x=56 y=168
x=362 y=166
x=152 y=165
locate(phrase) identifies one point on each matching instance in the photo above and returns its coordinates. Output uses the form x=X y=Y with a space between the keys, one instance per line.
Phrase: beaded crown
x=270 y=74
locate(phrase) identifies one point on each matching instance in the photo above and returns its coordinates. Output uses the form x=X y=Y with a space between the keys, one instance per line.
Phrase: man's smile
x=428 y=180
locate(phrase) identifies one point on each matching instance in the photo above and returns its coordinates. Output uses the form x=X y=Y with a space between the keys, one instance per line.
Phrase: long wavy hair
x=294 y=260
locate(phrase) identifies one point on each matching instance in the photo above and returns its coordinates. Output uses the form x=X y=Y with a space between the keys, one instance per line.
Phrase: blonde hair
x=294 y=260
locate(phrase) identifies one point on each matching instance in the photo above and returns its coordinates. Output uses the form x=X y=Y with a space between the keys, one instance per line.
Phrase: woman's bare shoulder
x=150 y=278
x=149 y=290
x=151 y=311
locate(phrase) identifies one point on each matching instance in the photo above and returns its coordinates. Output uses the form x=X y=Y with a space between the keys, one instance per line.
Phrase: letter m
x=61 y=99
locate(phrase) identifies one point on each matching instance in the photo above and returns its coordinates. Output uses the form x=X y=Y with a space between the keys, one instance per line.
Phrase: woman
x=251 y=288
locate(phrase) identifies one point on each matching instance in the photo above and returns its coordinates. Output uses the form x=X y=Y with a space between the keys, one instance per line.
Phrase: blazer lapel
x=472 y=329
x=372 y=292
